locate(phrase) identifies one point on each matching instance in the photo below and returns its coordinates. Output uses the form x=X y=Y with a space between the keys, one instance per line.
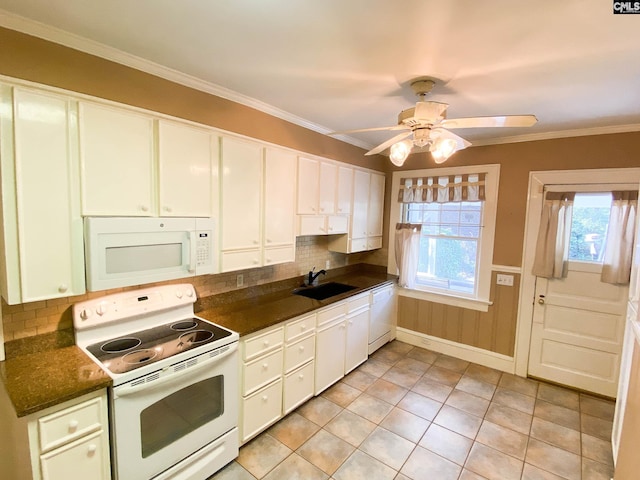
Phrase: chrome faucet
x=313 y=276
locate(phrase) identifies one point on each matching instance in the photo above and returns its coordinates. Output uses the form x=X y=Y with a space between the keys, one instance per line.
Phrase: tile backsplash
x=28 y=319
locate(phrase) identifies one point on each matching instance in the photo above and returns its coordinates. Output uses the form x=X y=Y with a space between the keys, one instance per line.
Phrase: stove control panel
x=97 y=312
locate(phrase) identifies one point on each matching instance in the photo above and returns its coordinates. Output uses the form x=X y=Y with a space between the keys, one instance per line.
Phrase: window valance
x=443 y=189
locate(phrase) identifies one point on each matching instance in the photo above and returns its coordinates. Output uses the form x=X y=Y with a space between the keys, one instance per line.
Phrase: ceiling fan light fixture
x=442 y=148
x=399 y=152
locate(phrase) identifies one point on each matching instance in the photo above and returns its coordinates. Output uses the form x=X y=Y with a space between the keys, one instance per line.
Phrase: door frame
x=535 y=196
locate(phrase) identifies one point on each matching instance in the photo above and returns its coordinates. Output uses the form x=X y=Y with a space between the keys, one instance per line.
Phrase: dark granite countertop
x=46 y=370
x=249 y=315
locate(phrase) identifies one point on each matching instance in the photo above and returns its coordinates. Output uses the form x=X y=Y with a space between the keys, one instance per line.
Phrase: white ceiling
x=346 y=64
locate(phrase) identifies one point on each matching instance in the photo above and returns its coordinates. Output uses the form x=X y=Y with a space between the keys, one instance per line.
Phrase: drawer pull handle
x=301 y=348
x=265 y=366
x=92 y=449
x=303 y=327
x=73 y=426
x=265 y=398
x=301 y=376
x=266 y=343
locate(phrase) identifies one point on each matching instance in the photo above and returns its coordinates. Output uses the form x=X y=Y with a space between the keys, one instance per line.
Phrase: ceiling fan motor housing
x=423 y=114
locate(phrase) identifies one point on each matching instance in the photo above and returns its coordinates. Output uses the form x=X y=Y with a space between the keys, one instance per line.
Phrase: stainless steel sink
x=324 y=290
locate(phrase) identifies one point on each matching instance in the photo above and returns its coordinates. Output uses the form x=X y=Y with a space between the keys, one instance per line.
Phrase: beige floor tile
x=553 y=459
x=426 y=356
x=596 y=427
x=371 y=408
x=458 y=421
x=597 y=407
x=556 y=435
x=387 y=447
x=413 y=365
x=525 y=386
x=418 y=405
x=468 y=403
x=296 y=467
x=592 y=470
x=508 y=417
x=484 y=374
x=398 y=347
x=341 y=394
x=233 y=471
x=350 y=427
x=476 y=387
x=319 y=410
x=442 y=375
x=451 y=363
x=503 y=439
x=326 y=451
x=493 y=464
x=447 y=444
x=559 y=396
x=534 y=473
x=431 y=389
x=293 y=430
x=405 y=424
x=360 y=380
x=557 y=414
x=426 y=465
x=374 y=367
x=597 y=449
x=404 y=378
x=387 y=356
x=469 y=475
x=262 y=454
x=518 y=401
x=362 y=466
x=386 y=390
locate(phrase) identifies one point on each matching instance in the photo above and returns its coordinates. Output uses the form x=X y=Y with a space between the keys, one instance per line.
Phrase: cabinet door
x=116 y=151
x=261 y=409
x=185 y=156
x=345 y=190
x=327 y=188
x=47 y=213
x=330 y=349
x=357 y=342
x=279 y=198
x=308 y=186
x=376 y=204
x=360 y=204
x=241 y=170
x=83 y=459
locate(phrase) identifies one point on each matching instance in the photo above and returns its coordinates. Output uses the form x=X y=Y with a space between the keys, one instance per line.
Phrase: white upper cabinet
x=186 y=158
x=43 y=253
x=360 y=204
x=327 y=188
x=345 y=190
x=308 y=186
x=376 y=205
x=279 y=198
x=117 y=160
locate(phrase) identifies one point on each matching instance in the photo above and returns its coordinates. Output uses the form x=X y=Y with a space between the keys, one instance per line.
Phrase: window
x=455 y=209
x=589 y=223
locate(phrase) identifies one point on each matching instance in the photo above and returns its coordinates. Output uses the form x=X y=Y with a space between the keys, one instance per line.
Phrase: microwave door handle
x=192 y=252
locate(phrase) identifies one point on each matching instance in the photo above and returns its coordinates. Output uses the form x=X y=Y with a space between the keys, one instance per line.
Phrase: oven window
x=140 y=258
x=180 y=413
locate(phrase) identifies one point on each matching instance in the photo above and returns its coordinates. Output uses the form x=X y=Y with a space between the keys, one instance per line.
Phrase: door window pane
x=589 y=224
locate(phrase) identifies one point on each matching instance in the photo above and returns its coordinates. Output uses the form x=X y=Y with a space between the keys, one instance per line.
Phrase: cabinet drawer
x=332 y=313
x=300 y=352
x=312 y=225
x=357 y=302
x=262 y=371
x=262 y=344
x=374 y=242
x=261 y=409
x=238 y=260
x=298 y=387
x=275 y=255
x=70 y=424
x=300 y=327
x=85 y=458
x=358 y=245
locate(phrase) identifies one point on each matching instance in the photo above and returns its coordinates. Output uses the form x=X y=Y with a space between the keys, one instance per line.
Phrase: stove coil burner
x=140 y=356
x=184 y=325
x=120 y=345
x=196 y=336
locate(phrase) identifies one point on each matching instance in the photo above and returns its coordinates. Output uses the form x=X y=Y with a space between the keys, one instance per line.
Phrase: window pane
x=589 y=226
x=450 y=217
x=448 y=263
x=470 y=217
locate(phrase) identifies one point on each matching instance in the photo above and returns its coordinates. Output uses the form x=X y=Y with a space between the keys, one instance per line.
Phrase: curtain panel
x=443 y=189
x=553 y=235
x=407 y=246
x=618 y=250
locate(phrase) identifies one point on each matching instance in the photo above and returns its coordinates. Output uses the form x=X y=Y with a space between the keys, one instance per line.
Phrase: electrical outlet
x=327 y=265
x=506 y=280
x=426 y=342
x=240 y=280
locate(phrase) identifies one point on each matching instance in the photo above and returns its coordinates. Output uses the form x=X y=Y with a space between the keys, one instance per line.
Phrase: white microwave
x=125 y=251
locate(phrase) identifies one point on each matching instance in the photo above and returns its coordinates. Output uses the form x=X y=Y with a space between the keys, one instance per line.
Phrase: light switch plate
x=506 y=280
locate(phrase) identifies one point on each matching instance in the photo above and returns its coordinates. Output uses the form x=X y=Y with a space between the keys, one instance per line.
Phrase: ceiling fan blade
x=441 y=132
x=388 y=143
x=496 y=121
x=374 y=129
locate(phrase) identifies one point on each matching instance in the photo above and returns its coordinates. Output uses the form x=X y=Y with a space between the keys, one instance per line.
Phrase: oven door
x=161 y=419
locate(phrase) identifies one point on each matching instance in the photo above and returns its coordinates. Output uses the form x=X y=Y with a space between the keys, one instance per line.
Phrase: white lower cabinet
x=330 y=349
x=298 y=387
x=261 y=409
x=67 y=442
x=357 y=344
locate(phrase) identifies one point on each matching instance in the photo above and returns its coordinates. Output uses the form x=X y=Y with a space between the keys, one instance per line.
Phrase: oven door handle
x=123 y=390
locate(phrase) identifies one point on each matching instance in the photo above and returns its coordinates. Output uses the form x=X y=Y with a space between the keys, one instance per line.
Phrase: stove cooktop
x=138 y=349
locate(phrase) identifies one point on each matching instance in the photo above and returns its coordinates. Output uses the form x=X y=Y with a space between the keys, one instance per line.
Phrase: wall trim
x=506 y=269
x=458 y=350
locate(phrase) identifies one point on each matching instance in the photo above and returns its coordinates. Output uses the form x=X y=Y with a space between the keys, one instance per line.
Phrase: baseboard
x=458 y=350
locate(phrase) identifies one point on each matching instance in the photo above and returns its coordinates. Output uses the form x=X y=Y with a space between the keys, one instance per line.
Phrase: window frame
x=480 y=301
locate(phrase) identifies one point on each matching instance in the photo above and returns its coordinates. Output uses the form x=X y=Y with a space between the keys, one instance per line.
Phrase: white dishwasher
x=382 y=316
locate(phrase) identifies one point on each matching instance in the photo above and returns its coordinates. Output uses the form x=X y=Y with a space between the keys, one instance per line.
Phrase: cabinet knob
x=256 y=262
x=166 y=209
x=144 y=208
x=265 y=398
x=301 y=348
x=73 y=426
x=268 y=260
x=265 y=366
x=303 y=327
x=268 y=240
x=301 y=376
x=91 y=449
x=322 y=209
x=63 y=287
x=313 y=209
x=266 y=343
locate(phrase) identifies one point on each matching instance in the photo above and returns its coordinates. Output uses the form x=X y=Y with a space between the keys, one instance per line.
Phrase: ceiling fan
x=428 y=126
